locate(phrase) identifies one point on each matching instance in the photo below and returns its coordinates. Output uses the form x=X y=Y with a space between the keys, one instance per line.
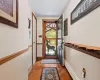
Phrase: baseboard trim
x=39 y=58
x=72 y=73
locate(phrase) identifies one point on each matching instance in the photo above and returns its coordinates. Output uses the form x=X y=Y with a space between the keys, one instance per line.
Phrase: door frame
x=32 y=38
x=43 y=38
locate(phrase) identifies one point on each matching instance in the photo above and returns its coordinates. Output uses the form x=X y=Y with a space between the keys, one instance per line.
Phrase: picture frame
x=66 y=27
x=83 y=8
x=29 y=23
x=9 y=12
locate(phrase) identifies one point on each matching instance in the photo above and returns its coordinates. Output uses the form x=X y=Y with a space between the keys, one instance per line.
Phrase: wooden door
x=49 y=39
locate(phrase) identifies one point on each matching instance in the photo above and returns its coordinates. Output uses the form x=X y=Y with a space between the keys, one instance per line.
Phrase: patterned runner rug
x=49 y=73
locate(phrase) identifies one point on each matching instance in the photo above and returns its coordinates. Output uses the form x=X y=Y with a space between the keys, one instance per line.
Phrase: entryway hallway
x=34 y=30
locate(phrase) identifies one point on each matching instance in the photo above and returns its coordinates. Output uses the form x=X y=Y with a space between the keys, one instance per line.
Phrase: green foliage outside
x=51 y=33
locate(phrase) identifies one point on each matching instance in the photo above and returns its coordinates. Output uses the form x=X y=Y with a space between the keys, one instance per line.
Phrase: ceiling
x=48 y=8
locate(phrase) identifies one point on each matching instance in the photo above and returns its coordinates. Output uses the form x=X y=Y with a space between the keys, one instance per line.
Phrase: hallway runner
x=49 y=73
x=49 y=61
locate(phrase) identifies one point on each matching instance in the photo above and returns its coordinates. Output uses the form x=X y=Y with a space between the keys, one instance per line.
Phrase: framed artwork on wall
x=66 y=27
x=9 y=12
x=29 y=23
x=83 y=8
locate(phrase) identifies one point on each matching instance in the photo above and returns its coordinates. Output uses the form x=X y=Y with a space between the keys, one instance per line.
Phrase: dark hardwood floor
x=37 y=68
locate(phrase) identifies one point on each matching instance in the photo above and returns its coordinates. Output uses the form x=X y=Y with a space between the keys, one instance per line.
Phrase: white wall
x=39 y=32
x=85 y=31
x=30 y=43
x=13 y=40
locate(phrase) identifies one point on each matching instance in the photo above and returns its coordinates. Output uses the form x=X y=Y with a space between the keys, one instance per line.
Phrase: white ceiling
x=48 y=8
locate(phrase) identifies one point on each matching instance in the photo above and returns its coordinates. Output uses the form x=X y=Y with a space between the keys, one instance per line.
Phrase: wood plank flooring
x=37 y=69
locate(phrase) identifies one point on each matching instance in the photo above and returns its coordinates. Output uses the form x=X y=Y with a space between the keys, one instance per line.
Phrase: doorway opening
x=52 y=39
x=49 y=39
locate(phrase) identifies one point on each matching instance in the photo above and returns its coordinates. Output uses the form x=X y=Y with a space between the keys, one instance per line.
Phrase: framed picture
x=66 y=27
x=29 y=23
x=9 y=12
x=83 y=8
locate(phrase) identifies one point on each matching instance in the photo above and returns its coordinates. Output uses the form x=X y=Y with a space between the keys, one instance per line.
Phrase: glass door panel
x=60 y=40
x=50 y=47
x=51 y=33
x=50 y=39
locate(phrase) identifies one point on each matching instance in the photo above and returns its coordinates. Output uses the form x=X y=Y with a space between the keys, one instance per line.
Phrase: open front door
x=60 y=45
x=49 y=39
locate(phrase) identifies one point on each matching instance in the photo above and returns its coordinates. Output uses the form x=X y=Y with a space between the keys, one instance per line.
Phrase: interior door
x=50 y=40
x=34 y=40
